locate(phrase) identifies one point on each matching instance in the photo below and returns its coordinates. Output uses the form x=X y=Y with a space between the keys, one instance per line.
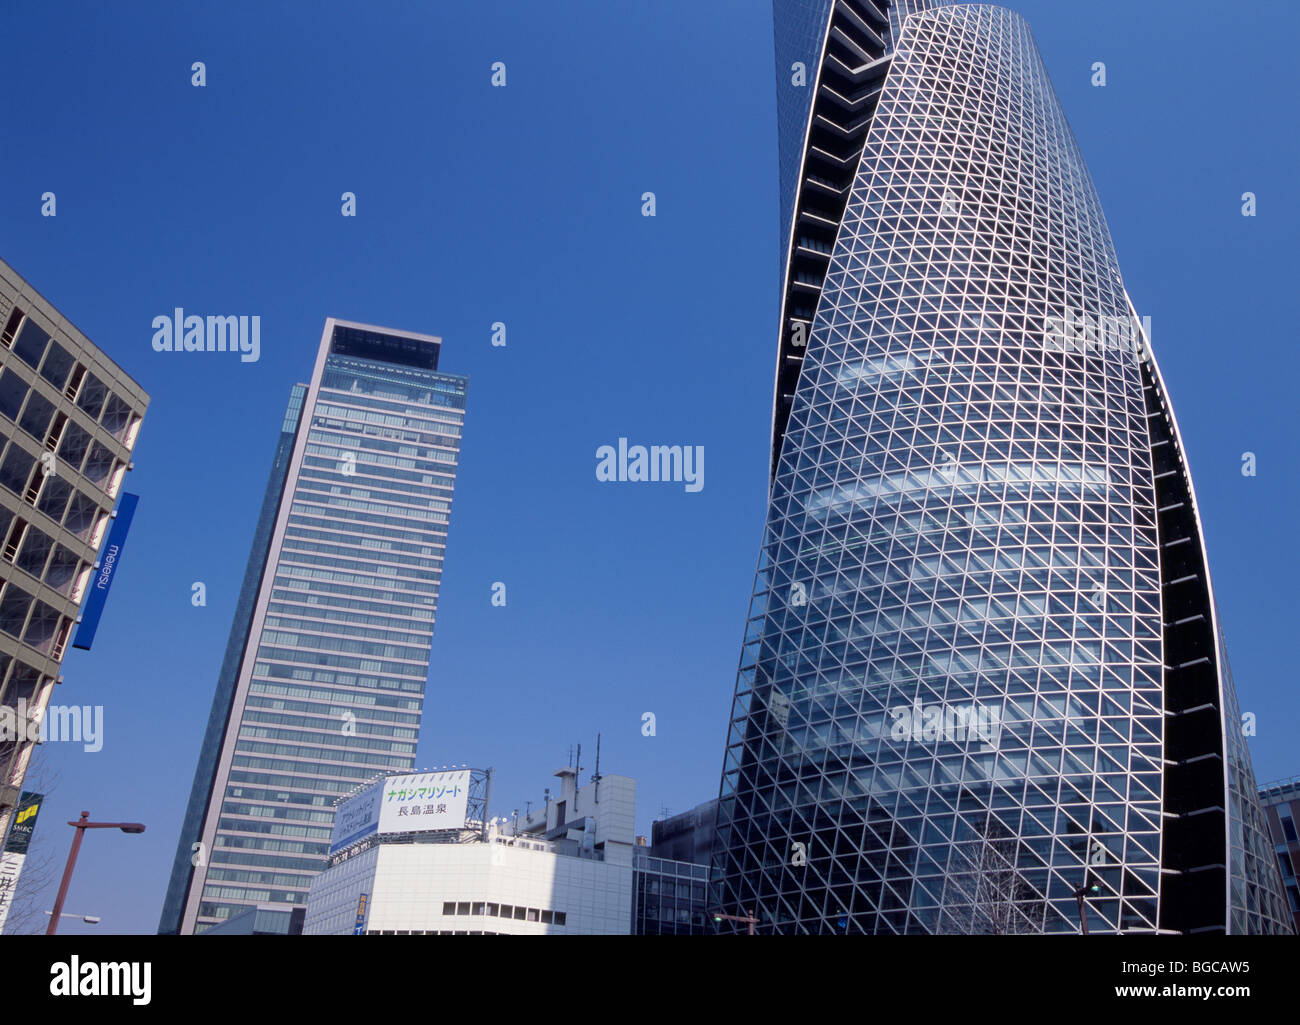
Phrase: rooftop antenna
x=596 y=775
x=570 y=756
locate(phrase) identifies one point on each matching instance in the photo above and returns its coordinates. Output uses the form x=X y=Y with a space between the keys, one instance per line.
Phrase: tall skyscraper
x=69 y=418
x=983 y=675
x=322 y=684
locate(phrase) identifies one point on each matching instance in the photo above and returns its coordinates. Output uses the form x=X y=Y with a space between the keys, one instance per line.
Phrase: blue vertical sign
x=360 y=928
x=109 y=557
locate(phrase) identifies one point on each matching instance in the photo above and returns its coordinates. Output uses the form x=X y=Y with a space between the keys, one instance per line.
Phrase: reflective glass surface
x=334 y=627
x=950 y=708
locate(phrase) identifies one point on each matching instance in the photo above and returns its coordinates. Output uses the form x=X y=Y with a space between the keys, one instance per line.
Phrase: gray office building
x=670 y=885
x=69 y=418
x=322 y=685
x=687 y=836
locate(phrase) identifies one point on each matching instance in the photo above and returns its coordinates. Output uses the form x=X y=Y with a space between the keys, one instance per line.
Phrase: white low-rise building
x=564 y=869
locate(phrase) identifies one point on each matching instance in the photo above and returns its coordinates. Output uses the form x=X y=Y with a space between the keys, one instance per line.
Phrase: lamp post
x=1090 y=888
x=749 y=919
x=88 y=919
x=81 y=825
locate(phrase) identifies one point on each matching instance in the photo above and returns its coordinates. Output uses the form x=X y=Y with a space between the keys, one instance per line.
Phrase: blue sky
x=523 y=205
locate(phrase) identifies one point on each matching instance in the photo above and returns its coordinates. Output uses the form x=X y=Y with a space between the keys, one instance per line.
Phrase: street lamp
x=719 y=917
x=1090 y=888
x=88 y=919
x=81 y=825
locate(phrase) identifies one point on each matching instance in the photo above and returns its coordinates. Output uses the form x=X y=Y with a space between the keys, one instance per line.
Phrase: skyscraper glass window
x=322 y=685
x=983 y=667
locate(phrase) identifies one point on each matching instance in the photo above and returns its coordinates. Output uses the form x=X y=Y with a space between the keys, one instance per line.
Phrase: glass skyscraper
x=322 y=685
x=983 y=672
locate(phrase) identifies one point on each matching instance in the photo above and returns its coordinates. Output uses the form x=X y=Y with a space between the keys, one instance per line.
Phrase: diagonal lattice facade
x=982 y=663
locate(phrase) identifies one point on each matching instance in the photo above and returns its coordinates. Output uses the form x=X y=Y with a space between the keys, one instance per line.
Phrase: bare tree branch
x=40 y=869
x=985 y=892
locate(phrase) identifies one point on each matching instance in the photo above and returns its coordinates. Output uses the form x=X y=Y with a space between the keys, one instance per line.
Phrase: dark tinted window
x=72 y=450
x=13 y=609
x=83 y=511
x=41 y=629
x=13 y=389
x=92 y=396
x=37 y=416
x=23 y=681
x=35 y=550
x=62 y=571
x=11 y=325
x=99 y=464
x=58 y=363
x=16 y=470
x=54 y=498
x=117 y=414
x=30 y=346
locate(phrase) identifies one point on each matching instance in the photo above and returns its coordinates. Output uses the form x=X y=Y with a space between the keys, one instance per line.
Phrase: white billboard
x=357 y=817
x=403 y=804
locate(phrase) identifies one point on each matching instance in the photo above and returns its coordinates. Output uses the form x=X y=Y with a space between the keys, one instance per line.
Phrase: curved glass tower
x=983 y=671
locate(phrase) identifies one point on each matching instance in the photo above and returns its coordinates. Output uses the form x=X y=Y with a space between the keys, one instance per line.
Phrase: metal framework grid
x=972 y=523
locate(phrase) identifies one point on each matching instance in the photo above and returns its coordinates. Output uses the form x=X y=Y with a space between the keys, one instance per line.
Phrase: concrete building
x=688 y=836
x=566 y=868
x=672 y=875
x=670 y=898
x=69 y=419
